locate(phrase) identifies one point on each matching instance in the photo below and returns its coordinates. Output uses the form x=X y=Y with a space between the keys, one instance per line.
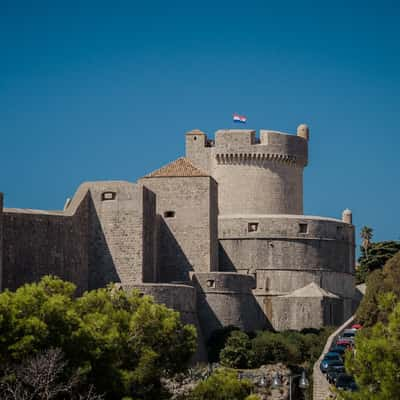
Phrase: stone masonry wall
x=39 y=243
x=284 y=258
x=188 y=226
x=226 y=299
x=122 y=220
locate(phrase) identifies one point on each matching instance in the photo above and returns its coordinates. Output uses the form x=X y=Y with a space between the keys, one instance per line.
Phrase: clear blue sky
x=106 y=90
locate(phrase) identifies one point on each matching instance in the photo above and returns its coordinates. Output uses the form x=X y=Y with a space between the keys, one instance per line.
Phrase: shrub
x=236 y=353
x=222 y=385
x=269 y=348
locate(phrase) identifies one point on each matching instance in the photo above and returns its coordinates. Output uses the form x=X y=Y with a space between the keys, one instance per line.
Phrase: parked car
x=344 y=342
x=338 y=349
x=335 y=368
x=346 y=382
x=349 y=333
x=328 y=359
x=356 y=326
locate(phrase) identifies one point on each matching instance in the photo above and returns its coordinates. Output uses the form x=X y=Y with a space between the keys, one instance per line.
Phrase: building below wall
x=219 y=235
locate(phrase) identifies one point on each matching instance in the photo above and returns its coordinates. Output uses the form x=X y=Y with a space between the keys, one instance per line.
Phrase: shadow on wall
x=172 y=263
x=225 y=262
x=220 y=307
x=102 y=269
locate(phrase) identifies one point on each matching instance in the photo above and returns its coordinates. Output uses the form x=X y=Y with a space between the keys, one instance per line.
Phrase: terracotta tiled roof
x=181 y=167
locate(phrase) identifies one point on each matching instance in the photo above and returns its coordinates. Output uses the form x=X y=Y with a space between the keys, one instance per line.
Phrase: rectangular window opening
x=252 y=227
x=169 y=214
x=108 y=196
x=303 y=228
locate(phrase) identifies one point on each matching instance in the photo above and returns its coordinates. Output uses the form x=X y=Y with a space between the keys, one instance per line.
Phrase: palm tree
x=366 y=236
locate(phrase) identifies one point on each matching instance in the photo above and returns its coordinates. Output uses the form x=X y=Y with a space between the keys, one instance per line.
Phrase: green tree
x=120 y=342
x=236 y=353
x=270 y=348
x=366 y=235
x=376 y=362
x=380 y=282
x=222 y=385
x=375 y=257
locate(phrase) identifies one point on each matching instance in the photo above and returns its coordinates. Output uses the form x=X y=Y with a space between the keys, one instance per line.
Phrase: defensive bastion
x=219 y=235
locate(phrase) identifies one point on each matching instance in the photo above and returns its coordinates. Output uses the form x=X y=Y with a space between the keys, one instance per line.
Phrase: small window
x=194 y=137
x=303 y=228
x=210 y=283
x=169 y=214
x=252 y=227
x=108 y=196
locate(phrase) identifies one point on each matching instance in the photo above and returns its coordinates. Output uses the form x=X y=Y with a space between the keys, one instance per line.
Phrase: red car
x=356 y=326
x=344 y=342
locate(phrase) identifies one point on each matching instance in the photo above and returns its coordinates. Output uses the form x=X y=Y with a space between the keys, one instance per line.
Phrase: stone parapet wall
x=181 y=298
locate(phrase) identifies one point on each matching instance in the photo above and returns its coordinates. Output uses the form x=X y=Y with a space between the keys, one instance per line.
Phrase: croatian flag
x=239 y=118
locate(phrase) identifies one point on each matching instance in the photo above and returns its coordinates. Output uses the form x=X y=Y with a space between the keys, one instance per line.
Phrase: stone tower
x=262 y=231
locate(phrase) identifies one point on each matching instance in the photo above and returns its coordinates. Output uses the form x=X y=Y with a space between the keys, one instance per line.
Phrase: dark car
x=346 y=382
x=328 y=359
x=338 y=349
x=335 y=369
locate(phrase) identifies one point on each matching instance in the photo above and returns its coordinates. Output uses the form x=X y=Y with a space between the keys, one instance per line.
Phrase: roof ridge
x=181 y=167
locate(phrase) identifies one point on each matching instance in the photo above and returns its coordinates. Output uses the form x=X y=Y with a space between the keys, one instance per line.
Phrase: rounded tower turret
x=259 y=176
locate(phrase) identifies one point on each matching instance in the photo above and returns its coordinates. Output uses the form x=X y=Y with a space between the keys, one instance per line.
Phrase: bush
x=236 y=353
x=289 y=347
x=270 y=348
x=222 y=385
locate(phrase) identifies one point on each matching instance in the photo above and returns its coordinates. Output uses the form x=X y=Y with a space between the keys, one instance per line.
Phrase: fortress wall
x=188 y=225
x=302 y=312
x=122 y=215
x=181 y=298
x=226 y=299
x=278 y=242
x=150 y=227
x=38 y=243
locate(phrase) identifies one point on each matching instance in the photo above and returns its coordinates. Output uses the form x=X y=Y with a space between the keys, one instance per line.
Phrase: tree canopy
x=120 y=342
x=376 y=362
x=374 y=257
x=379 y=282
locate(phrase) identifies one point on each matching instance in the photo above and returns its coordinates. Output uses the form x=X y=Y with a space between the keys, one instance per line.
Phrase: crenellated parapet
x=255 y=158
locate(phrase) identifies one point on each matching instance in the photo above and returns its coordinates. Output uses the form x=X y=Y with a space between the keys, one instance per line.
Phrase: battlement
x=243 y=146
